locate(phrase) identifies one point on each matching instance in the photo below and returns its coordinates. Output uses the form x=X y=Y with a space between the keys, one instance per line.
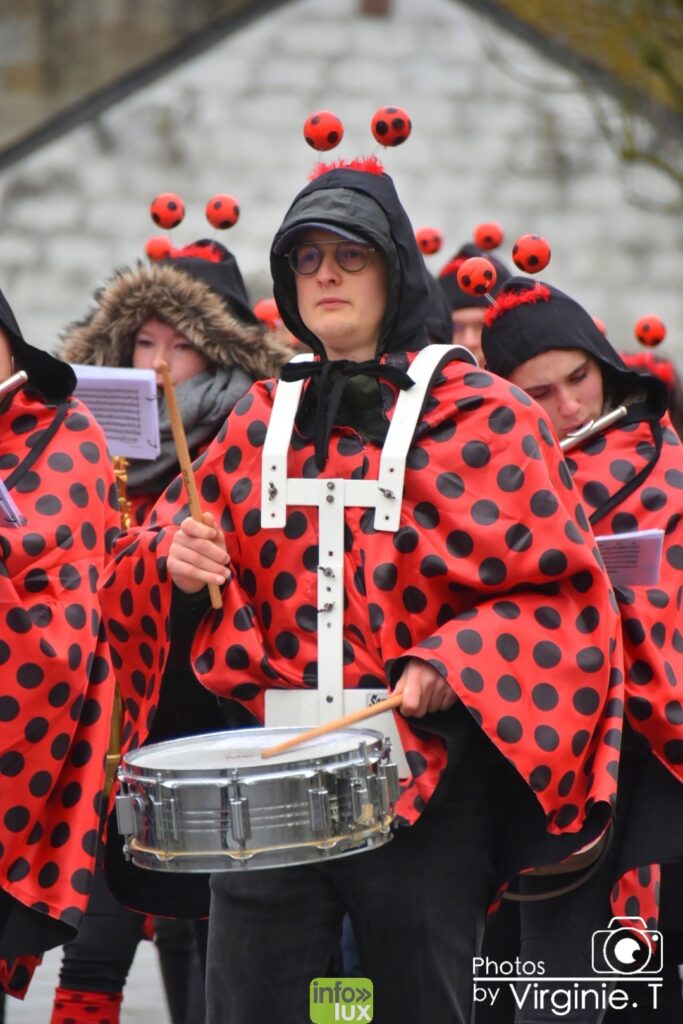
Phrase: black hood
x=515 y=331
x=223 y=276
x=53 y=379
x=366 y=204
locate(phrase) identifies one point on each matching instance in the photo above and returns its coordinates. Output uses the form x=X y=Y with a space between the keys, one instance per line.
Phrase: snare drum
x=212 y=803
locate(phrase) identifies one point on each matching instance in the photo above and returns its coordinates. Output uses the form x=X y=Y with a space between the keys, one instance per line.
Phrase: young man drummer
x=471 y=604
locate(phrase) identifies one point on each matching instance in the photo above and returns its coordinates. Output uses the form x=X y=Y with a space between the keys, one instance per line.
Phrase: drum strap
x=42 y=441
x=332 y=496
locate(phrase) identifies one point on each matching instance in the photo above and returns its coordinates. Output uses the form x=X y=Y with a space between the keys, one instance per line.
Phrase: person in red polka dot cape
x=630 y=477
x=58 y=684
x=191 y=309
x=488 y=608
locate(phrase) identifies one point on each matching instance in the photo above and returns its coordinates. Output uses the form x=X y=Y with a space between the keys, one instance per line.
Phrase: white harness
x=279 y=492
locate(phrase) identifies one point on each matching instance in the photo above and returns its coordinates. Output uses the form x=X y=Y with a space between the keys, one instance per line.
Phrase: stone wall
x=499 y=133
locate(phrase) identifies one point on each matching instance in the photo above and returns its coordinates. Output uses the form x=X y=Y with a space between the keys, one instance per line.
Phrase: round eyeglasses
x=305 y=259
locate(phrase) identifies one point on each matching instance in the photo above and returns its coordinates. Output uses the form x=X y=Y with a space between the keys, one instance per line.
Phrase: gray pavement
x=143 y=1002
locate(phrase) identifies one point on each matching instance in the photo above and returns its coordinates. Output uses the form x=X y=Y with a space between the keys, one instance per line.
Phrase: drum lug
x=240 y=824
x=388 y=787
x=172 y=807
x=319 y=809
x=125 y=814
x=361 y=805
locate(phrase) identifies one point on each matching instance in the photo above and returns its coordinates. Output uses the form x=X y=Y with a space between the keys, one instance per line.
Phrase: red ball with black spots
x=267 y=312
x=323 y=130
x=476 y=275
x=222 y=212
x=488 y=236
x=650 y=330
x=167 y=210
x=429 y=240
x=391 y=126
x=158 y=248
x=531 y=253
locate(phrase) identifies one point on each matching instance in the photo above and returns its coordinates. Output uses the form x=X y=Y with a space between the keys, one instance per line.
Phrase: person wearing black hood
x=56 y=534
x=467 y=309
x=191 y=310
x=630 y=478
x=437 y=597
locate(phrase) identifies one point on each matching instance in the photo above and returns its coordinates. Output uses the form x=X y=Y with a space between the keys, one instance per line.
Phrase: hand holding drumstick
x=198 y=555
x=394 y=701
x=419 y=690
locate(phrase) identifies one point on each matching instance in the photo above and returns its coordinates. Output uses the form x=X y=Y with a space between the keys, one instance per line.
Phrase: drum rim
x=132 y=761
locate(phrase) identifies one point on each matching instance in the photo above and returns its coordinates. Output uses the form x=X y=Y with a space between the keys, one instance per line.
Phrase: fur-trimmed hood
x=179 y=297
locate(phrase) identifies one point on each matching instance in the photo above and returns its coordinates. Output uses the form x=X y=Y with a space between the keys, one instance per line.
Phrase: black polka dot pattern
x=652 y=648
x=490 y=567
x=636 y=894
x=55 y=662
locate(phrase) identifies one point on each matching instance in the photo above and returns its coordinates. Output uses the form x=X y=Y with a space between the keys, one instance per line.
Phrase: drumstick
x=337 y=723
x=185 y=462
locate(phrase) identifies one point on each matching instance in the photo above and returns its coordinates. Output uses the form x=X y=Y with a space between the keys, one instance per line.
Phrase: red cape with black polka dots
x=492 y=577
x=651 y=616
x=57 y=679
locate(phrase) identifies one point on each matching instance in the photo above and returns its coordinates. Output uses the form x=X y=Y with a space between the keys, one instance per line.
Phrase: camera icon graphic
x=627 y=946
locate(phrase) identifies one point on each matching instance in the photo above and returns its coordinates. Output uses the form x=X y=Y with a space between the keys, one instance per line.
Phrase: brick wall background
x=499 y=132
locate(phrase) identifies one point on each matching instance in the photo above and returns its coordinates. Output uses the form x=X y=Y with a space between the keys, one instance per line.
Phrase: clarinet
x=593 y=427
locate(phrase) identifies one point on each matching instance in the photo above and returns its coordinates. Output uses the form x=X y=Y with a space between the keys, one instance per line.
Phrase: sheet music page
x=632 y=559
x=124 y=403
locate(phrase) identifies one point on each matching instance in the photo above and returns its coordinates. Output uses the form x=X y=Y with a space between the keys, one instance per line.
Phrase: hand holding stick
x=185 y=463
x=337 y=723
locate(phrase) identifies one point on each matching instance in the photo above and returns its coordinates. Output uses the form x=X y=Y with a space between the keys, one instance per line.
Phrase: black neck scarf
x=332 y=376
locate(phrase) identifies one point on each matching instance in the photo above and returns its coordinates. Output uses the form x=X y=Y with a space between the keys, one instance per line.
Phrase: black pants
x=417 y=906
x=101 y=955
x=558 y=933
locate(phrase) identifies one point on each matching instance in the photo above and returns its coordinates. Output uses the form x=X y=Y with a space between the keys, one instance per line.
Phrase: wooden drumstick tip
x=394 y=701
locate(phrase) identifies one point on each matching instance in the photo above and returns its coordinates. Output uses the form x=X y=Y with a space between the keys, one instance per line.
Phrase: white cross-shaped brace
x=331 y=496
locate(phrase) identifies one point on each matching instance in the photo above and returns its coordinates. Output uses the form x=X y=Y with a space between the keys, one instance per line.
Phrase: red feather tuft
x=453 y=267
x=369 y=164
x=651 y=363
x=204 y=249
x=509 y=300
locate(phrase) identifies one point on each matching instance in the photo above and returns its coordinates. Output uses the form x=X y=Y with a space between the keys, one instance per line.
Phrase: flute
x=593 y=427
x=17 y=380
